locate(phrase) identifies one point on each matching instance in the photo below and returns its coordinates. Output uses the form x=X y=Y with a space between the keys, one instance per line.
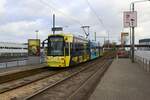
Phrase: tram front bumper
x=56 y=62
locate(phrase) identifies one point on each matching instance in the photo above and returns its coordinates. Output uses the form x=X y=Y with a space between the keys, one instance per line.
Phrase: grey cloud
x=35 y=15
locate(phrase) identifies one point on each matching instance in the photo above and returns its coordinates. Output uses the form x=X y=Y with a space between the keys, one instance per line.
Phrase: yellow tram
x=64 y=50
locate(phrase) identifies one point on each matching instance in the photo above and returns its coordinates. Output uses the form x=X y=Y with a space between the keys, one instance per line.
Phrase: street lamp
x=132 y=27
x=37 y=34
x=108 y=40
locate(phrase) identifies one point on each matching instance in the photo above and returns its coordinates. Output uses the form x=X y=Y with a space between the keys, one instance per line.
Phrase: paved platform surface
x=123 y=81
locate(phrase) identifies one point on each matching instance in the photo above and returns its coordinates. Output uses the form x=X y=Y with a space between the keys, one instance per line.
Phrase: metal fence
x=143 y=58
x=18 y=62
x=12 y=63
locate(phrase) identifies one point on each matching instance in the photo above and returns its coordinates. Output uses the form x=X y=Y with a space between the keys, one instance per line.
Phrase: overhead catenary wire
x=60 y=12
x=55 y=9
x=99 y=19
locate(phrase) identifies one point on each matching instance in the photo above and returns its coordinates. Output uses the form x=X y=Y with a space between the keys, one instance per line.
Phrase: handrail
x=17 y=62
x=17 y=59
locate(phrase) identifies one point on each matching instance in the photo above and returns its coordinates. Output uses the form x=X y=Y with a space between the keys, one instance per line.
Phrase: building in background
x=144 y=42
x=13 y=49
x=124 y=38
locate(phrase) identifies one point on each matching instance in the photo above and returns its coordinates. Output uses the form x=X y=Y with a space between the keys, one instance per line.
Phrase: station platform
x=9 y=70
x=123 y=81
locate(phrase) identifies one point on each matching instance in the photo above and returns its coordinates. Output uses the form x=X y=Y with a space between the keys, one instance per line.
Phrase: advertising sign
x=124 y=33
x=124 y=37
x=130 y=19
x=34 y=47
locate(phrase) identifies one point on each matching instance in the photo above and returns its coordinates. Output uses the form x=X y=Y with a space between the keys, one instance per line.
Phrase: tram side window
x=81 y=48
x=66 y=49
x=71 y=48
x=78 y=49
x=87 y=48
x=74 y=49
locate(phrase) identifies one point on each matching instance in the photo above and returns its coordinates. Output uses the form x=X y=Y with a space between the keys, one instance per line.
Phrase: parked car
x=122 y=54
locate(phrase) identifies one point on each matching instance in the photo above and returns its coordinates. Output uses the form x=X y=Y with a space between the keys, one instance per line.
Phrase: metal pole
x=130 y=41
x=132 y=36
x=108 y=39
x=104 y=40
x=36 y=34
x=95 y=36
x=53 y=23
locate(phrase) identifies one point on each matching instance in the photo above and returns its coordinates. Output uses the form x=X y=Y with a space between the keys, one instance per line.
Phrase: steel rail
x=58 y=82
x=15 y=86
x=100 y=72
x=6 y=89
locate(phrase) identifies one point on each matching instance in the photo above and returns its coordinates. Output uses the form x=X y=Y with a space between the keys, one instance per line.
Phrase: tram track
x=26 y=80
x=57 y=87
x=34 y=87
x=84 y=91
x=55 y=84
x=15 y=83
x=10 y=76
x=58 y=90
x=30 y=88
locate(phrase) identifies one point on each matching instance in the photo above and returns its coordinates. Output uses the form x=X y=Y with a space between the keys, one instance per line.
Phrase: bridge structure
x=136 y=45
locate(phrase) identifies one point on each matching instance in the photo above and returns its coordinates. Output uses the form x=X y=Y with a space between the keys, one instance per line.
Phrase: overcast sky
x=20 y=18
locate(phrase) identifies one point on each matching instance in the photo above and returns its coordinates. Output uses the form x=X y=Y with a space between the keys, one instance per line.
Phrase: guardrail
x=144 y=62
x=17 y=62
x=12 y=63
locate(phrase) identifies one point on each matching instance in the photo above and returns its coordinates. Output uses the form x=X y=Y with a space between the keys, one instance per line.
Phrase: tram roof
x=69 y=35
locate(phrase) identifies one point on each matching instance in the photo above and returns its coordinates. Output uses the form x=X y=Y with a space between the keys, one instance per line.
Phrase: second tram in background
x=64 y=50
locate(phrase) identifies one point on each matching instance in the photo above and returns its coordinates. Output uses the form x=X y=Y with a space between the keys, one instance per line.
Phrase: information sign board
x=130 y=19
